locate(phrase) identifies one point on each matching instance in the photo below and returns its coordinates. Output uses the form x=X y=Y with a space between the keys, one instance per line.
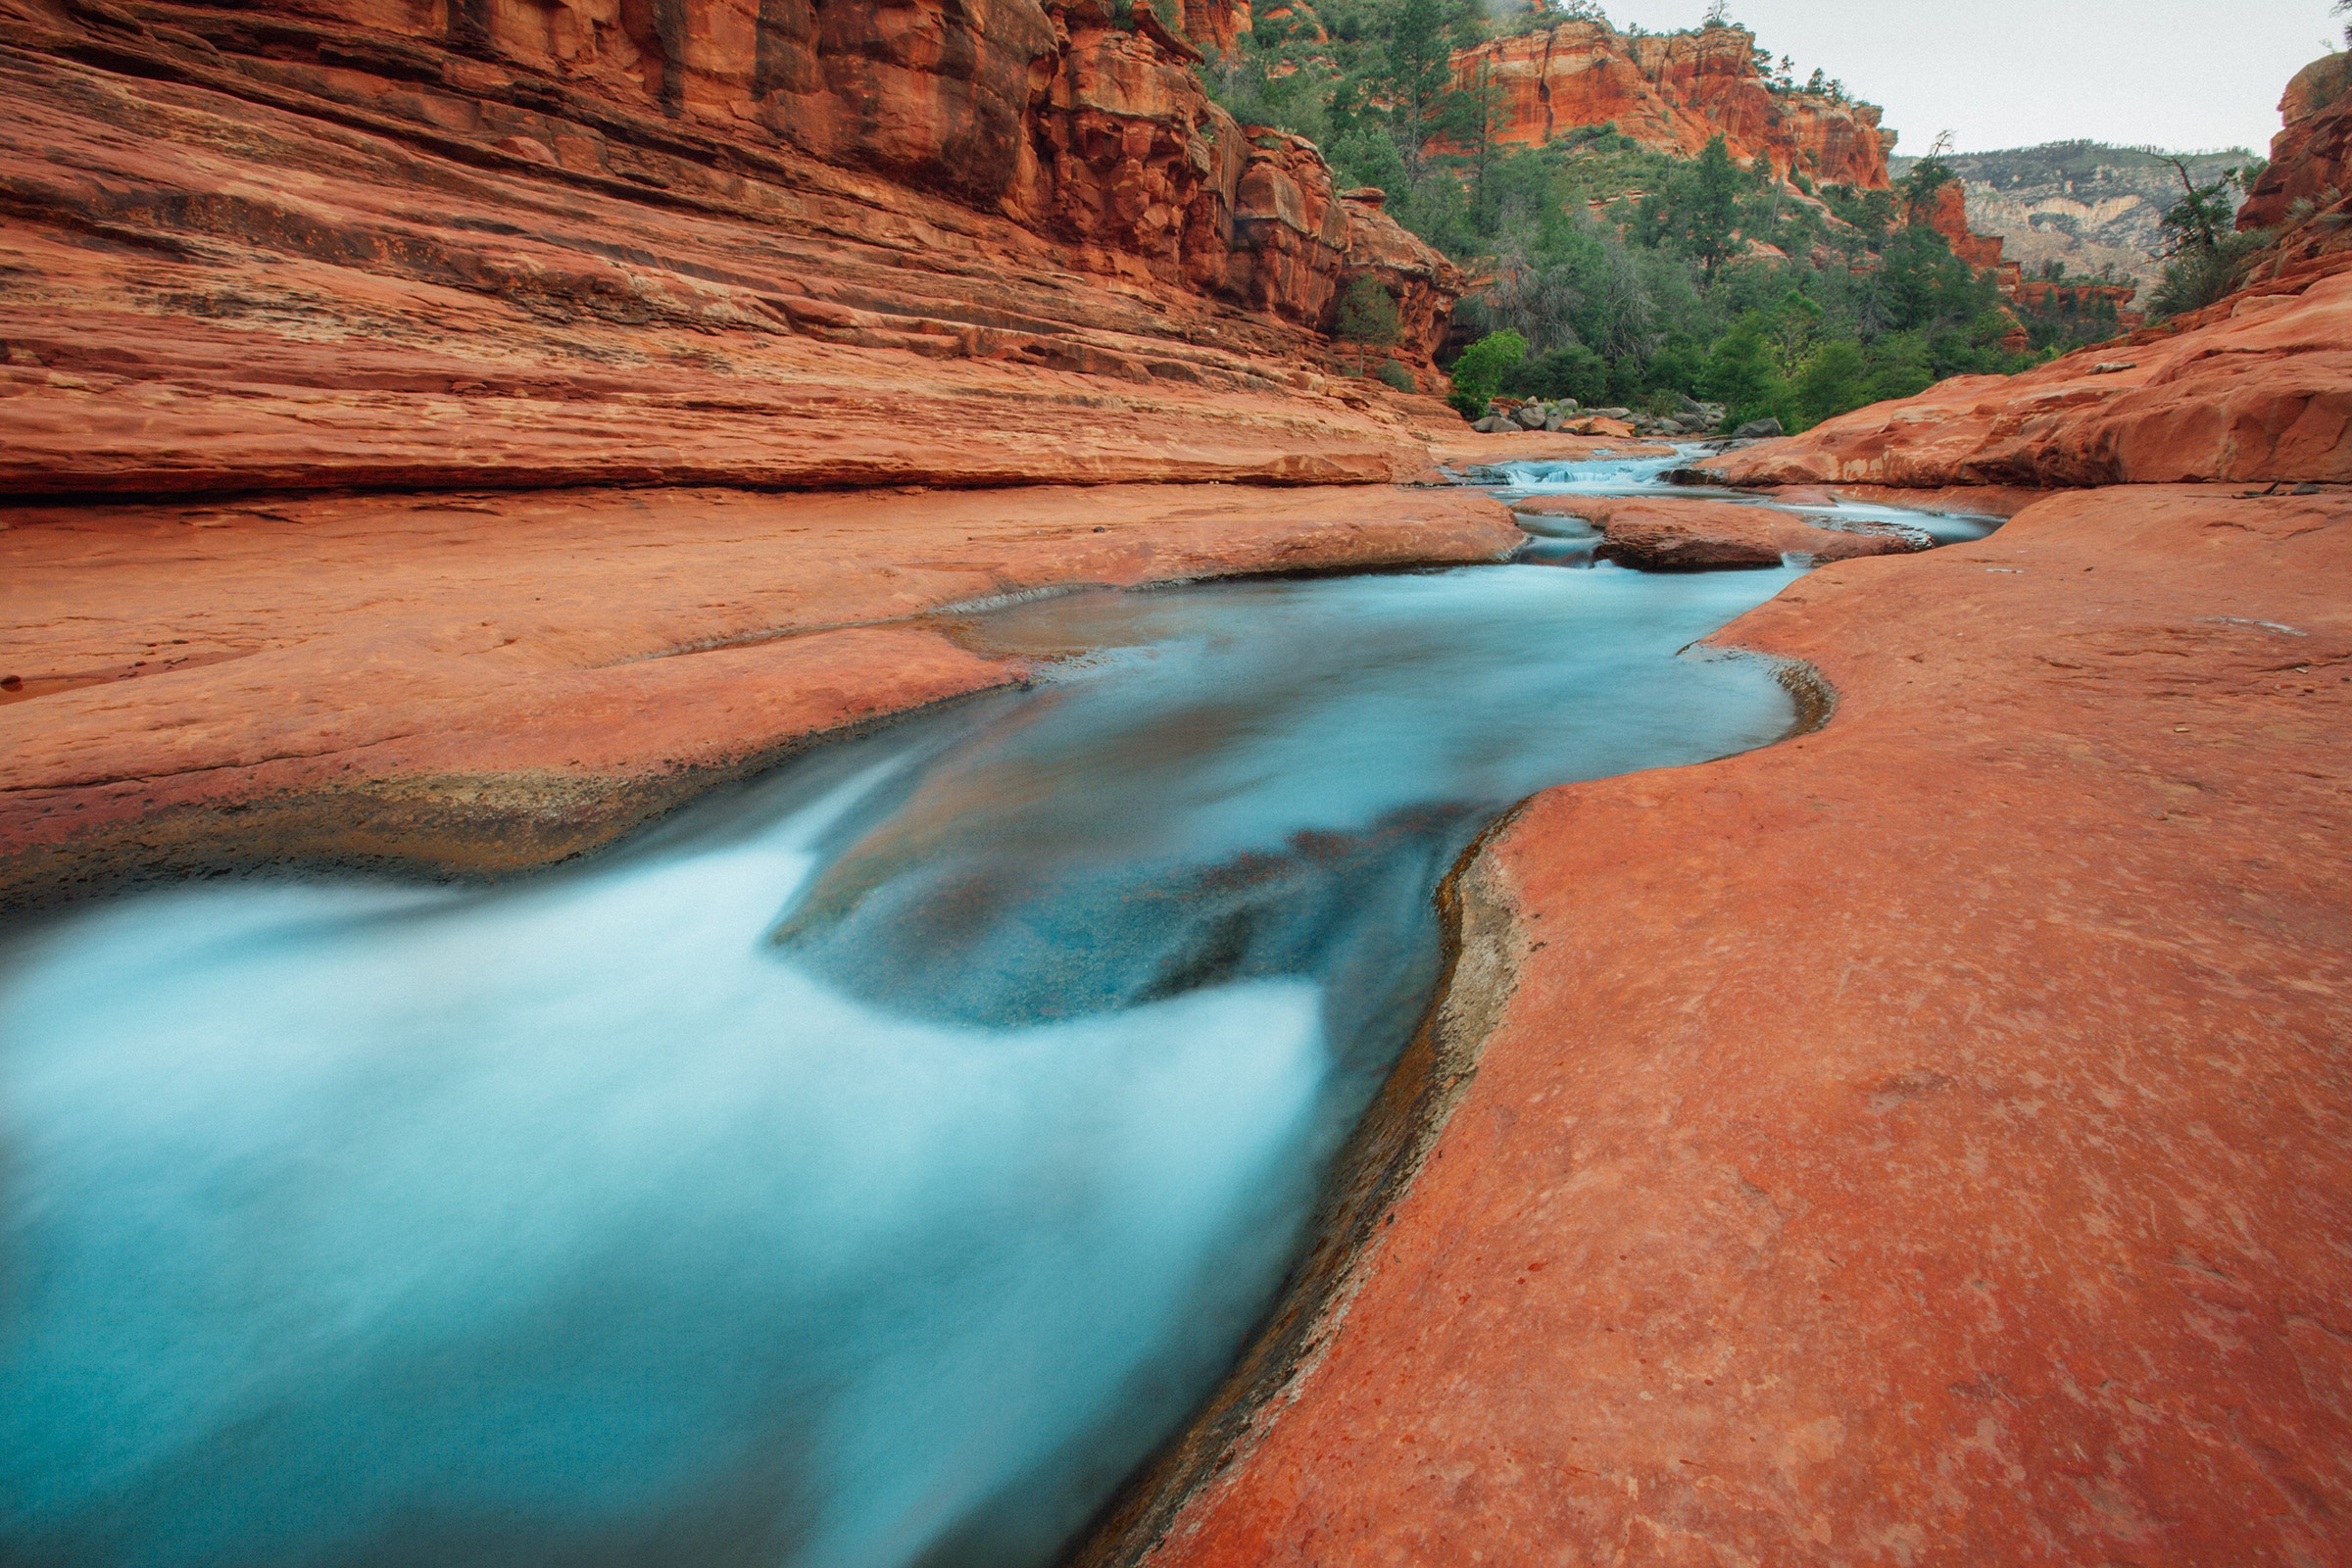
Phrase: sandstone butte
x=1671 y=93
x=444 y=439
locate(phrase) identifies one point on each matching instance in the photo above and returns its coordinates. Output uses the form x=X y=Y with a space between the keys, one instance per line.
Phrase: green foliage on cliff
x=1367 y=317
x=2203 y=249
x=1626 y=275
x=1663 y=280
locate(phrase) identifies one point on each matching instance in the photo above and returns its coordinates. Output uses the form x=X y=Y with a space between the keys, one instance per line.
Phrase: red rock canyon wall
x=1673 y=93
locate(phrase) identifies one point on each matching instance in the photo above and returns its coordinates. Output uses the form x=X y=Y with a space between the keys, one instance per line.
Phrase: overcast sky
x=2181 y=74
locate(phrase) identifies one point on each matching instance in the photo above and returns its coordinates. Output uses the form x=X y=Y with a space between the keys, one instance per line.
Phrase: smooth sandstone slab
x=1678 y=535
x=490 y=680
x=1927 y=1141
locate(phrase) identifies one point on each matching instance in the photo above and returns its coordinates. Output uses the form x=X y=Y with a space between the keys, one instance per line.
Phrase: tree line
x=1620 y=275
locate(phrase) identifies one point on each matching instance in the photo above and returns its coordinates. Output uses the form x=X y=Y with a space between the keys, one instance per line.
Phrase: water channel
x=868 y=1166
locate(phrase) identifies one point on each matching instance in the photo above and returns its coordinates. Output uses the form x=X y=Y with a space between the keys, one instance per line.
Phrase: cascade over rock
x=1673 y=93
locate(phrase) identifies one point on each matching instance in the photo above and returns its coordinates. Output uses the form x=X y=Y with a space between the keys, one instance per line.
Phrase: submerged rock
x=1672 y=534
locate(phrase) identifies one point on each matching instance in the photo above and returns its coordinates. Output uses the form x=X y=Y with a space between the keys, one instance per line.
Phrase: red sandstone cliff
x=1092 y=146
x=509 y=283
x=1673 y=93
x=2306 y=192
x=1979 y=251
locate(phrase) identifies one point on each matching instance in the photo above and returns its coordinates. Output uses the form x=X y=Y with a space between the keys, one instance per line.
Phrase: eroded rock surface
x=482 y=681
x=1676 y=535
x=2255 y=389
x=1672 y=92
x=2311 y=156
x=2305 y=194
x=330 y=246
x=1923 y=1141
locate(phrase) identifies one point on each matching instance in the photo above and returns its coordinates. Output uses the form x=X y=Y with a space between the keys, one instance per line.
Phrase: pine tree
x=1367 y=317
x=1420 y=71
x=1706 y=201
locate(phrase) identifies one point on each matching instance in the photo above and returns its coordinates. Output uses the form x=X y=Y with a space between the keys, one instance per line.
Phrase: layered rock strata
x=1672 y=92
x=2305 y=192
x=2311 y=156
x=1983 y=252
x=483 y=681
x=323 y=246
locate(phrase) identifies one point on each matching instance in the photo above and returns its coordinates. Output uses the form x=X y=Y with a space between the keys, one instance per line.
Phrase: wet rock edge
x=1482 y=950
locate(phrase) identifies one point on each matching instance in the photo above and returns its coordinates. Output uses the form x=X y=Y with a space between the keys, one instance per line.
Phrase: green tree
x=2203 y=247
x=1479 y=374
x=1924 y=184
x=1575 y=371
x=1466 y=117
x=1898 y=367
x=1835 y=379
x=1705 y=199
x=1367 y=317
x=1741 y=374
x=1420 y=73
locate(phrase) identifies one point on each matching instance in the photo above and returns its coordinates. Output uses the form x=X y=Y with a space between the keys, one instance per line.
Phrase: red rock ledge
x=1670 y=534
x=2255 y=389
x=484 y=681
x=1927 y=1141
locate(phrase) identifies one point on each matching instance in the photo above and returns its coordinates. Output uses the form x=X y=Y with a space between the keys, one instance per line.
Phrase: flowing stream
x=868 y=1166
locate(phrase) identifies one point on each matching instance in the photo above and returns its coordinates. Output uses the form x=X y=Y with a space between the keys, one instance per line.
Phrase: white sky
x=2181 y=74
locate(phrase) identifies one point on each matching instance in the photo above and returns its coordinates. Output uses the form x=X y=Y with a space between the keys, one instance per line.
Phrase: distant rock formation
x=1953 y=219
x=1979 y=251
x=1674 y=93
x=1216 y=25
x=2093 y=209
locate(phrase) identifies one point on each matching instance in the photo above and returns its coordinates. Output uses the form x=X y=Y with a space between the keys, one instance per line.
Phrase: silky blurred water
x=1623 y=476
x=869 y=1166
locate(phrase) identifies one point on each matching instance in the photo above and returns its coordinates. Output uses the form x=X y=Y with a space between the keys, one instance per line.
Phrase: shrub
x=1477 y=374
x=1575 y=371
x=2199 y=275
x=1398 y=376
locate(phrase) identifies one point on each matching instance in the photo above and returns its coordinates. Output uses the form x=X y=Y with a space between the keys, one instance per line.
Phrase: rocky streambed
x=875 y=1161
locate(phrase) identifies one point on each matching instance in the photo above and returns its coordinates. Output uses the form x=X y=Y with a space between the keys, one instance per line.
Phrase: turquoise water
x=868 y=1166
